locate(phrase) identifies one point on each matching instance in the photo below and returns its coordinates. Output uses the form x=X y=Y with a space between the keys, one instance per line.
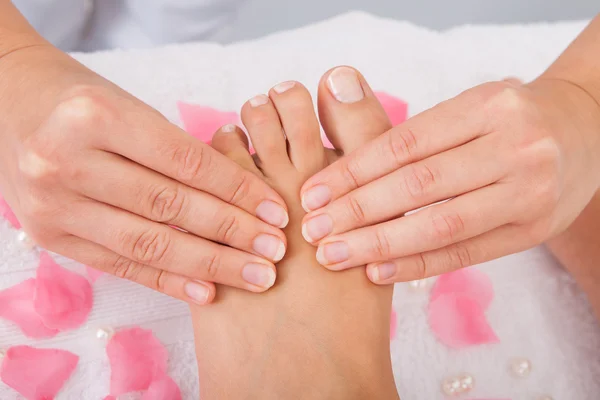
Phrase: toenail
x=228 y=128
x=344 y=85
x=259 y=100
x=317 y=228
x=197 y=292
x=316 y=197
x=332 y=253
x=381 y=272
x=272 y=213
x=284 y=86
x=269 y=246
x=259 y=275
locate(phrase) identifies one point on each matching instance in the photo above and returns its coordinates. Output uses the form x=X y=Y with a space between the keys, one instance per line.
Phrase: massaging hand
x=95 y=174
x=518 y=163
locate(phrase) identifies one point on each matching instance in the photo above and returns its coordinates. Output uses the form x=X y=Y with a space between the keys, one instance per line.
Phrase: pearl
x=457 y=385
x=104 y=333
x=467 y=383
x=418 y=284
x=521 y=367
x=24 y=238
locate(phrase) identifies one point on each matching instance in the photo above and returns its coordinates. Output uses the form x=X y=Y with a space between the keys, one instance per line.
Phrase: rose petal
x=16 y=305
x=136 y=358
x=37 y=374
x=164 y=388
x=467 y=281
x=202 y=122
x=63 y=299
x=459 y=321
x=395 y=108
x=93 y=274
x=7 y=213
x=393 y=323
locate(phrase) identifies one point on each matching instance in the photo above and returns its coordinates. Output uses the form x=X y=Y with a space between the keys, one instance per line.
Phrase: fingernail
x=259 y=100
x=197 y=292
x=344 y=85
x=258 y=275
x=382 y=272
x=269 y=246
x=316 y=197
x=228 y=128
x=284 y=86
x=272 y=213
x=317 y=228
x=332 y=253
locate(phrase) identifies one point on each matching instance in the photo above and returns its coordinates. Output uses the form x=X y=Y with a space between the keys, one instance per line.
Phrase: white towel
x=538 y=312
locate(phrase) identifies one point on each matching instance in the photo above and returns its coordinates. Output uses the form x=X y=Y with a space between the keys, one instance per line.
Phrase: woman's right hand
x=97 y=175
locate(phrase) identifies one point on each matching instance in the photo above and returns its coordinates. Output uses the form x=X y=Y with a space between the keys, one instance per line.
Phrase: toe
x=302 y=130
x=232 y=142
x=265 y=130
x=350 y=113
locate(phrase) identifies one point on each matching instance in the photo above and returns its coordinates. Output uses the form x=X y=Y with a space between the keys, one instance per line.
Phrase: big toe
x=349 y=112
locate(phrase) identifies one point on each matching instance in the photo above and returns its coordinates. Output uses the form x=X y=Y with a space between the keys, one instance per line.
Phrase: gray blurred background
x=259 y=17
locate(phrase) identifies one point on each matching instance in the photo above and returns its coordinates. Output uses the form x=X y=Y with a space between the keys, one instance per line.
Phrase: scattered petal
x=164 y=388
x=470 y=282
x=37 y=374
x=16 y=305
x=7 y=213
x=136 y=359
x=63 y=299
x=396 y=109
x=393 y=323
x=459 y=321
x=202 y=122
x=326 y=141
x=93 y=274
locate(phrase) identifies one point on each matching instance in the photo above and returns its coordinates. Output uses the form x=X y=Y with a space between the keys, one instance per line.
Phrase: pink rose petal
x=396 y=109
x=16 y=305
x=93 y=274
x=37 y=374
x=393 y=323
x=202 y=122
x=470 y=282
x=136 y=359
x=63 y=299
x=459 y=321
x=7 y=213
x=164 y=388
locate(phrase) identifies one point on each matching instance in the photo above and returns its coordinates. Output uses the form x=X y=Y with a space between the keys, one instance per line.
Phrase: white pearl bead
x=24 y=238
x=467 y=383
x=521 y=367
x=104 y=333
x=457 y=385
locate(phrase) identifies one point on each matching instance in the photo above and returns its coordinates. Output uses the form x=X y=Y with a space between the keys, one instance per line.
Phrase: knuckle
x=126 y=268
x=149 y=247
x=191 y=161
x=86 y=107
x=159 y=280
x=459 y=256
x=419 y=181
x=509 y=100
x=350 y=172
x=402 y=145
x=167 y=204
x=240 y=189
x=381 y=245
x=356 y=210
x=421 y=266
x=212 y=265
x=447 y=228
x=228 y=228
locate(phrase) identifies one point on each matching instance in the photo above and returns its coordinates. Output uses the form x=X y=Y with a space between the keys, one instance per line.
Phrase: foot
x=315 y=334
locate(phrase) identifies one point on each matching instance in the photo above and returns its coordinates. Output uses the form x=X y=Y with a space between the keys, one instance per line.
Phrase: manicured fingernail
x=344 y=85
x=197 y=292
x=317 y=228
x=272 y=213
x=258 y=275
x=269 y=246
x=332 y=253
x=284 y=86
x=259 y=100
x=228 y=128
x=316 y=197
x=382 y=272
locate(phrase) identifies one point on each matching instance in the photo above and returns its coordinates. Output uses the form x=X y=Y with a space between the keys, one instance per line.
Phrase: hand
x=96 y=175
x=518 y=163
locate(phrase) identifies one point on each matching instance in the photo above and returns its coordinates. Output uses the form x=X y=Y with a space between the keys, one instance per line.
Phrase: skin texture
x=518 y=162
x=95 y=174
x=316 y=334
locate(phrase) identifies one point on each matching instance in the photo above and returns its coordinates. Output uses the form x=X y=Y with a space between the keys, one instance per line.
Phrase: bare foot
x=315 y=334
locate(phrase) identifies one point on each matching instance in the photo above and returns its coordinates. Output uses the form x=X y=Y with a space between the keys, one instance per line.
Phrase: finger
x=441 y=128
x=439 y=177
x=177 y=286
x=434 y=227
x=168 y=249
x=232 y=142
x=488 y=246
x=114 y=180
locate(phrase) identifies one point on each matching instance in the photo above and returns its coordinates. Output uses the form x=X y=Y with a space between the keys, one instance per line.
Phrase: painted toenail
x=272 y=213
x=269 y=246
x=228 y=128
x=317 y=228
x=344 y=85
x=332 y=253
x=316 y=197
x=259 y=100
x=284 y=86
x=258 y=275
x=197 y=292
x=382 y=272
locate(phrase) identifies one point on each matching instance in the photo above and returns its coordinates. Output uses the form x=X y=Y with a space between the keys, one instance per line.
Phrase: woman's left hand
x=518 y=163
